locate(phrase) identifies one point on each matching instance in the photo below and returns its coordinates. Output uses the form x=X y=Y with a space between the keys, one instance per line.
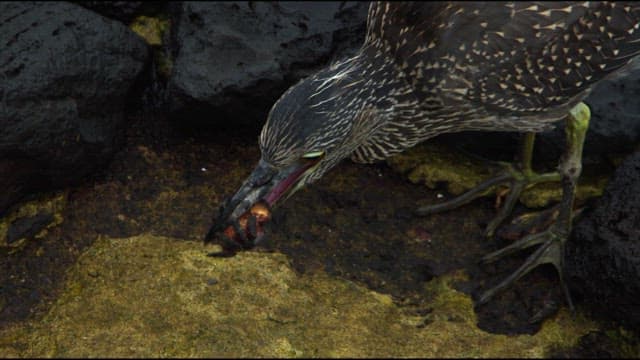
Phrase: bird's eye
x=313 y=155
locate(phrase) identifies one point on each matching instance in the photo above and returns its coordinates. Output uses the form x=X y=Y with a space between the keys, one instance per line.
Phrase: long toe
x=550 y=251
x=483 y=189
x=515 y=190
x=521 y=244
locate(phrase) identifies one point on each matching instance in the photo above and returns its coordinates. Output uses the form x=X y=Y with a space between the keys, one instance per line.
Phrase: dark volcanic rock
x=124 y=11
x=603 y=256
x=615 y=109
x=615 y=120
x=245 y=54
x=65 y=73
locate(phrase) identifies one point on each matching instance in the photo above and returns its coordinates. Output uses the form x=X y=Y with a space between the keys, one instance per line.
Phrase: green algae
x=162 y=297
x=430 y=164
x=49 y=203
x=151 y=29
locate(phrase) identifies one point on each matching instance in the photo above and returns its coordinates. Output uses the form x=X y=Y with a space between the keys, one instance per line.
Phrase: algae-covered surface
x=151 y=29
x=155 y=296
x=116 y=267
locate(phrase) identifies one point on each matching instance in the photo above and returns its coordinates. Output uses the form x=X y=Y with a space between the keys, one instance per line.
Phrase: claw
x=549 y=308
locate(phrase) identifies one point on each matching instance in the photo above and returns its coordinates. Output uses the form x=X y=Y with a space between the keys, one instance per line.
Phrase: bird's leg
x=518 y=183
x=517 y=180
x=554 y=238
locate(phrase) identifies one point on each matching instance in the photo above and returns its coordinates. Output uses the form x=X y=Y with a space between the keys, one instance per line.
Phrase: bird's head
x=307 y=132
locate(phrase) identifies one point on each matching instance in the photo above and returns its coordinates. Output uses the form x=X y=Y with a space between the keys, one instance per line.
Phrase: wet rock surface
x=65 y=74
x=603 y=260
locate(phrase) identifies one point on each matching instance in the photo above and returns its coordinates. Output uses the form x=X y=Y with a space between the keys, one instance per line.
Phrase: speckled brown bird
x=428 y=68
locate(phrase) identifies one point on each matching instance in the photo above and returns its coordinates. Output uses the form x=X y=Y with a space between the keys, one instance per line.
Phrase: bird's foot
x=511 y=183
x=552 y=240
x=550 y=251
x=532 y=223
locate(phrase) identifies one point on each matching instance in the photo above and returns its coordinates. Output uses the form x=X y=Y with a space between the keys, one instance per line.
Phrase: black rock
x=65 y=73
x=615 y=121
x=123 y=11
x=243 y=55
x=603 y=256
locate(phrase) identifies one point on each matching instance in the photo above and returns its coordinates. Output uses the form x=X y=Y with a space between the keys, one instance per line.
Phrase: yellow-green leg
x=519 y=181
x=554 y=238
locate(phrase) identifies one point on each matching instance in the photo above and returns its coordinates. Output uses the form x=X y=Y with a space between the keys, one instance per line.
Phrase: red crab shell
x=262 y=214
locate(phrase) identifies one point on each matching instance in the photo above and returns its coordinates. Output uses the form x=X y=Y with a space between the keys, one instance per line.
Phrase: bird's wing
x=500 y=58
x=527 y=55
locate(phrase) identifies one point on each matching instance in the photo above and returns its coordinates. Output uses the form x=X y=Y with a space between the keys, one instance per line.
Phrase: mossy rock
x=431 y=164
x=148 y=296
x=38 y=215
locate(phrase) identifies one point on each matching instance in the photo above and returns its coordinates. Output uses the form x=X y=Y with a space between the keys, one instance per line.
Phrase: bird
x=428 y=68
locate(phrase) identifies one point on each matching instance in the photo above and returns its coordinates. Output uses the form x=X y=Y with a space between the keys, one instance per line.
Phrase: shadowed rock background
x=65 y=74
x=82 y=82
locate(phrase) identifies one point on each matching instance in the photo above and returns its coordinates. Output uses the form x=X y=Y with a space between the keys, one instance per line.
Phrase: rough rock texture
x=615 y=109
x=615 y=120
x=603 y=257
x=123 y=11
x=65 y=73
x=244 y=55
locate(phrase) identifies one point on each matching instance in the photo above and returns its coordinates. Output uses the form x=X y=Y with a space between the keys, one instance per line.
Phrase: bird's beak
x=267 y=184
